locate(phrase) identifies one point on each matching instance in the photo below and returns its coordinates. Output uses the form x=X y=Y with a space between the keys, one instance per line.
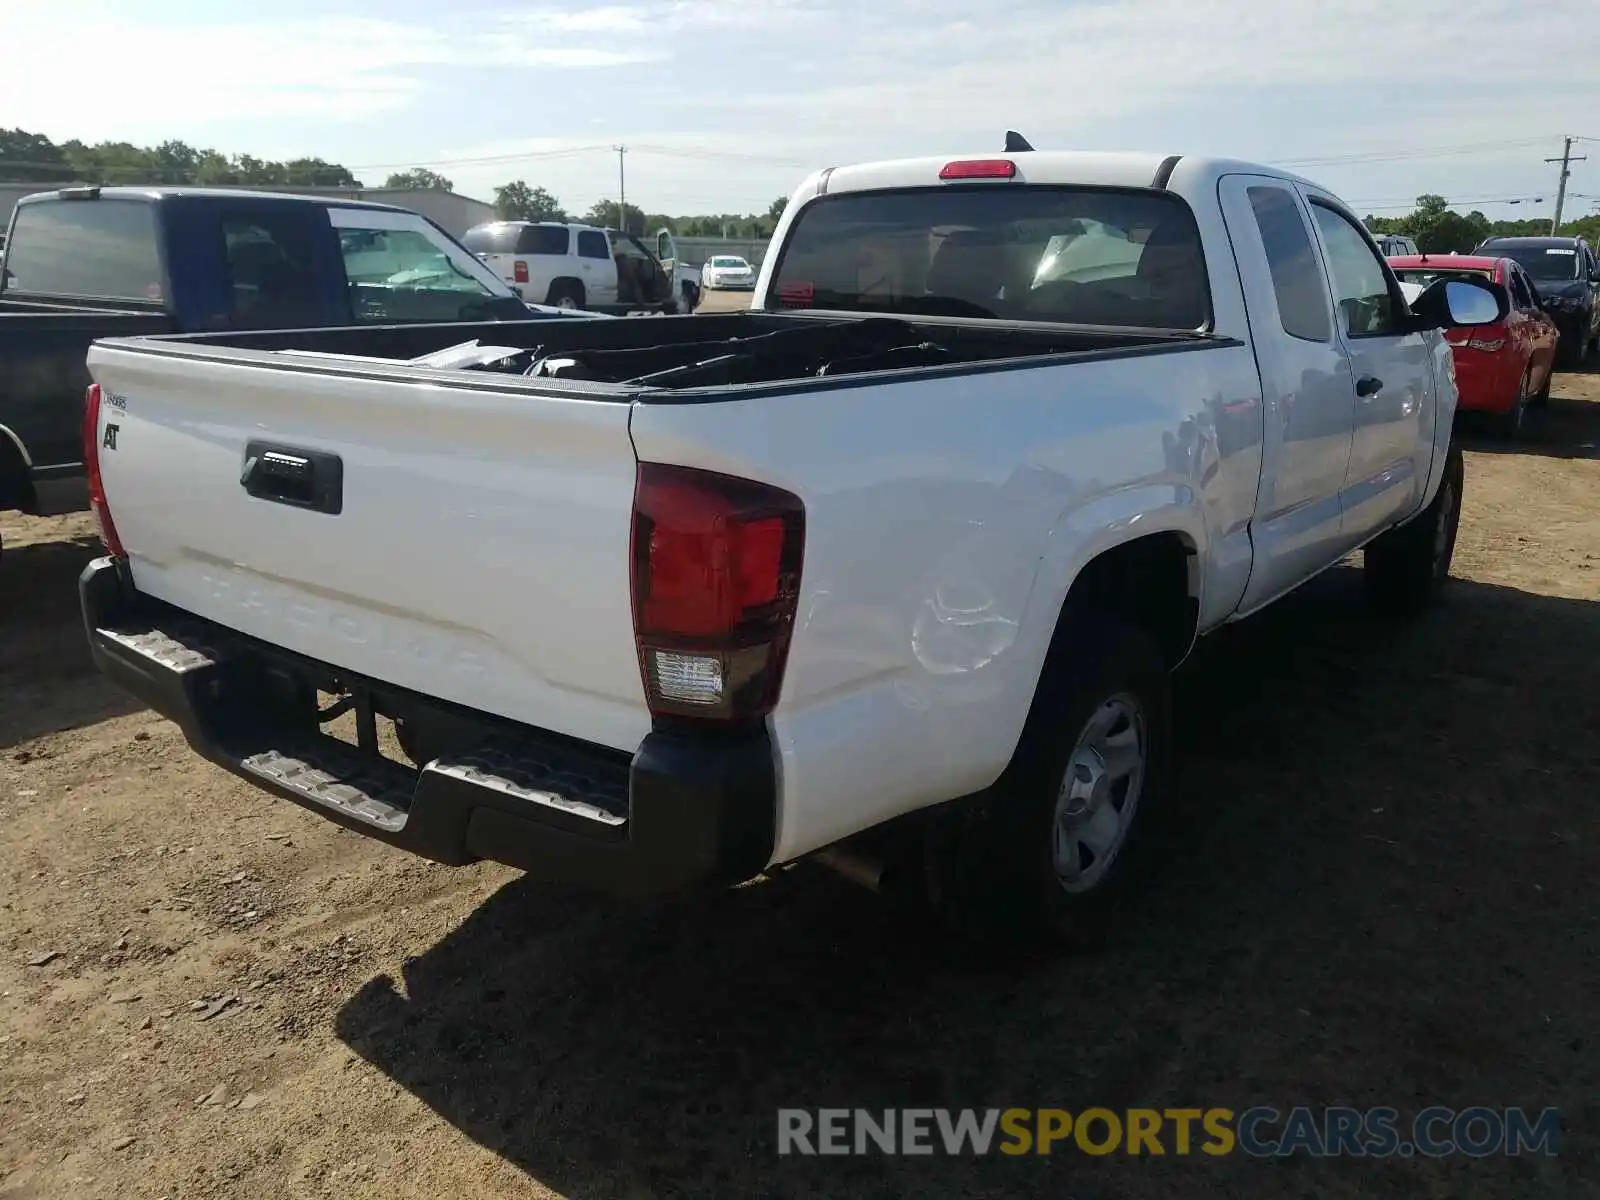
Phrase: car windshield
x=1428 y=276
x=1120 y=258
x=729 y=262
x=1544 y=263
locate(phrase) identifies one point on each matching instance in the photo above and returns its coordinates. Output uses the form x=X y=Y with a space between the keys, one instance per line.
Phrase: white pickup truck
x=891 y=569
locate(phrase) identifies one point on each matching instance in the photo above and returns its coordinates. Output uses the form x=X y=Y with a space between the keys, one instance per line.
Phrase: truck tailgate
x=478 y=552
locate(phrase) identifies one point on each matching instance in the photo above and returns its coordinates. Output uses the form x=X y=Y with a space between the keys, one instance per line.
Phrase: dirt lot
x=724 y=302
x=1385 y=894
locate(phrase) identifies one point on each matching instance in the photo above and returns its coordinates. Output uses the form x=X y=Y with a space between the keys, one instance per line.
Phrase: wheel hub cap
x=1099 y=794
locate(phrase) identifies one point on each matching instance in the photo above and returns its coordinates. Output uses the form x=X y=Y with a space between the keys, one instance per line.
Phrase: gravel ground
x=1382 y=892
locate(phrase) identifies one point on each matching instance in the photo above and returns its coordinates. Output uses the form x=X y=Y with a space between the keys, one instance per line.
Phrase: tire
x=565 y=293
x=1509 y=424
x=1017 y=866
x=1406 y=569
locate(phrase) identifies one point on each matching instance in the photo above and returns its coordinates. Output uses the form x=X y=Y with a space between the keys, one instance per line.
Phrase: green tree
x=419 y=177
x=604 y=213
x=516 y=201
x=31 y=158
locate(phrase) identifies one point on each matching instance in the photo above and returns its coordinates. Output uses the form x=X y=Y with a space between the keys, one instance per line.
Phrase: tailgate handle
x=312 y=479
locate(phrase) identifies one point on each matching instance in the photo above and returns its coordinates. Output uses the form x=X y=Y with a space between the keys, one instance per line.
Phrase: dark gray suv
x=1567 y=275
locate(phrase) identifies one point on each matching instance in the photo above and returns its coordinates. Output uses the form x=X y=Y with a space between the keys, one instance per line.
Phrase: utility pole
x=1566 y=160
x=622 y=190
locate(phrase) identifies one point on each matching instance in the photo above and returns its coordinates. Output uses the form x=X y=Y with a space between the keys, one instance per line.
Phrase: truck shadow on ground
x=1375 y=887
x=48 y=681
x=1566 y=428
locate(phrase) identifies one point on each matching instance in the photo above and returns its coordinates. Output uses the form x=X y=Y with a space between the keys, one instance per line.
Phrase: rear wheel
x=565 y=293
x=1046 y=855
x=1510 y=421
x=1406 y=569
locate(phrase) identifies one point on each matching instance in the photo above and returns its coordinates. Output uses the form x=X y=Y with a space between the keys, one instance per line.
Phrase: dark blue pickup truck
x=87 y=263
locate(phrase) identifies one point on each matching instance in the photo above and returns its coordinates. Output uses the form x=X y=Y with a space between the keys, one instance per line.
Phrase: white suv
x=572 y=266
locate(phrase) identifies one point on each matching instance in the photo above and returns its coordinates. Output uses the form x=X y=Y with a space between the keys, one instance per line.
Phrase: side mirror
x=517 y=291
x=1462 y=303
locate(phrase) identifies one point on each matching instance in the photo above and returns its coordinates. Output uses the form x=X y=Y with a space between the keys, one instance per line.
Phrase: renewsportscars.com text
x=1262 y=1132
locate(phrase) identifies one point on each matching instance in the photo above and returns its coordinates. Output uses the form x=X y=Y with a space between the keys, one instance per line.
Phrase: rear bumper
x=686 y=810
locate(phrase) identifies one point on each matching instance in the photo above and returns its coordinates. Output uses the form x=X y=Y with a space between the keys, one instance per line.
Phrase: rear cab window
x=1292 y=262
x=1069 y=255
x=510 y=238
x=86 y=249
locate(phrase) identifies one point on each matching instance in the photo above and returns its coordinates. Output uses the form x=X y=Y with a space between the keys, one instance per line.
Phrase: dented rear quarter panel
x=946 y=519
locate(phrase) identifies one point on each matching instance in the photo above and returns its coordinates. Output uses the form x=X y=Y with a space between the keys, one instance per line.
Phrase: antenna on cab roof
x=1016 y=143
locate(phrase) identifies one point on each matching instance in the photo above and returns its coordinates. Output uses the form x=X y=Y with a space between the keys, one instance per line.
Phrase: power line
x=1360 y=157
x=713 y=155
x=1410 y=204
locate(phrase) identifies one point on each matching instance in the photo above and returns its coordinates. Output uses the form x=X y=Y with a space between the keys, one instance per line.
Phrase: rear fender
x=1081 y=535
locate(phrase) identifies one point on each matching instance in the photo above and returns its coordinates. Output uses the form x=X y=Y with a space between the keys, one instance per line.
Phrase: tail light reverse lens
x=716 y=581
x=91 y=466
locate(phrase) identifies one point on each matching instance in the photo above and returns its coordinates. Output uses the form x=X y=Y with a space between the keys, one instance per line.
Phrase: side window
x=1361 y=291
x=402 y=258
x=1296 y=279
x=400 y=274
x=544 y=239
x=1520 y=296
x=592 y=244
x=271 y=271
x=89 y=248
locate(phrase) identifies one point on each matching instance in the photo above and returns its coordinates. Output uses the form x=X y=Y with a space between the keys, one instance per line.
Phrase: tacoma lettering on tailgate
x=270 y=605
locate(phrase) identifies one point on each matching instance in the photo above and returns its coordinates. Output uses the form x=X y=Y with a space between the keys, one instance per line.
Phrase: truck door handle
x=310 y=479
x=1369 y=385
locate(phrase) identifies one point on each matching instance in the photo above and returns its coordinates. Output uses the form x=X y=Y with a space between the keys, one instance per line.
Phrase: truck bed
x=630 y=359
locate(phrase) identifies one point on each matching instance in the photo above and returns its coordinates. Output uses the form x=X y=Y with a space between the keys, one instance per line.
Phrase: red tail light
x=519 y=271
x=979 y=168
x=91 y=465
x=716 y=580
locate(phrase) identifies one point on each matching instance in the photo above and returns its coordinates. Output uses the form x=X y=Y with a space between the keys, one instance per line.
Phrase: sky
x=724 y=105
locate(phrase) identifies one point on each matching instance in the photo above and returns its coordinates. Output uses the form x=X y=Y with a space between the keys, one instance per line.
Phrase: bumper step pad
x=332 y=775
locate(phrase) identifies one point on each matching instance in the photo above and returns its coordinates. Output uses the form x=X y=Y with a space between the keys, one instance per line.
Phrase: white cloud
x=778 y=86
x=924 y=69
x=338 y=68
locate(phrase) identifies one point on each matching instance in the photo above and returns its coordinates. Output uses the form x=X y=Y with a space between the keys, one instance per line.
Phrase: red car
x=1500 y=369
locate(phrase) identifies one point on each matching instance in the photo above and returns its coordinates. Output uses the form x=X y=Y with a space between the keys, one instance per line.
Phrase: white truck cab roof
x=1133 y=169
